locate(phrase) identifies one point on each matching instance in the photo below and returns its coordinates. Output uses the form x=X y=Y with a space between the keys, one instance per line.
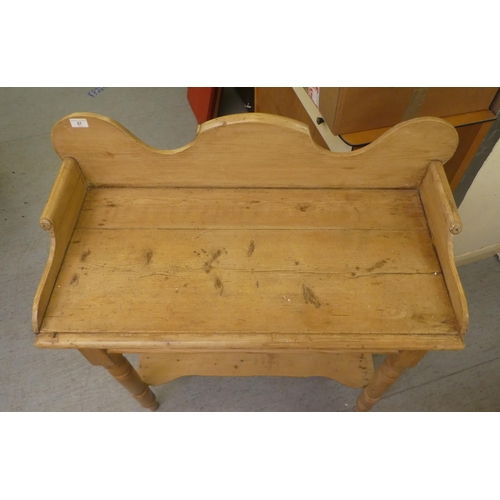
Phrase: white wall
x=480 y=214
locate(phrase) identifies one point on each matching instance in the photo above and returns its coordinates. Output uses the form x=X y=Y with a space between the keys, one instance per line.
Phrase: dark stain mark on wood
x=84 y=256
x=310 y=296
x=74 y=280
x=218 y=285
x=76 y=241
x=149 y=256
x=236 y=366
x=297 y=262
x=449 y=321
x=204 y=251
x=197 y=253
x=303 y=206
x=251 y=248
x=254 y=201
x=378 y=265
x=111 y=204
x=418 y=317
x=101 y=224
x=54 y=335
x=213 y=258
x=257 y=284
x=185 y=285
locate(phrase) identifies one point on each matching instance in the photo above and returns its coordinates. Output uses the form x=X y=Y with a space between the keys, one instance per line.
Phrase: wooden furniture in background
x=358 y=109
x=471 y=127
x=283 y=101
x=251 y=251
x=352 y=113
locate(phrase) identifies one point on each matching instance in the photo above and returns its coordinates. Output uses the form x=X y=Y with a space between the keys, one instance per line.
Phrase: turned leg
x=124 y=373
x=393 y=366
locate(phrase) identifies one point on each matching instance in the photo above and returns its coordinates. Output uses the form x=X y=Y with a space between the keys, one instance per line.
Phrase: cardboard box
x=356 y=109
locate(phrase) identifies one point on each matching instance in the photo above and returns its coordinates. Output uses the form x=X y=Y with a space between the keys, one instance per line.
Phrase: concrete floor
x=45 y=380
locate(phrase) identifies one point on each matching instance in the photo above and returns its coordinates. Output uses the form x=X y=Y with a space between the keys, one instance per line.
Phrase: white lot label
x=78 y=122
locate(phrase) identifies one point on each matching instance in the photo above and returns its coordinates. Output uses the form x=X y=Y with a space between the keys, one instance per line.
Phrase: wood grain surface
x=58 y=218
x=251 y=251
x=255 y=262
x=133 y=208
x=351 y=369
x=444 y=222
x=278 y=153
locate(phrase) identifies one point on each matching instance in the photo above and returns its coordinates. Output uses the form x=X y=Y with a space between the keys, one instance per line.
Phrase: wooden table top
x=260 y=267
x=178 y=262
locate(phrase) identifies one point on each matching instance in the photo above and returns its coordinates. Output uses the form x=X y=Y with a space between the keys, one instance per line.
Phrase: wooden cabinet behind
x=283 y=101
x=470 y=138
x=361 y=115
x=356 y=109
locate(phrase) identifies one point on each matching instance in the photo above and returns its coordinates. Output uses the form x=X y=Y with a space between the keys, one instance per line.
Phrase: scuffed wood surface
x=123 y=372
x=253 y=150
x=444 y=222
x=390 y=370
x=58 y=218
x=250 y=243
x=351 y=369
x=325 y=271
x=132 y=208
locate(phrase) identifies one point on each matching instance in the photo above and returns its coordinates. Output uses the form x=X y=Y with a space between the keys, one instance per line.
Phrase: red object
x=203 y=102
